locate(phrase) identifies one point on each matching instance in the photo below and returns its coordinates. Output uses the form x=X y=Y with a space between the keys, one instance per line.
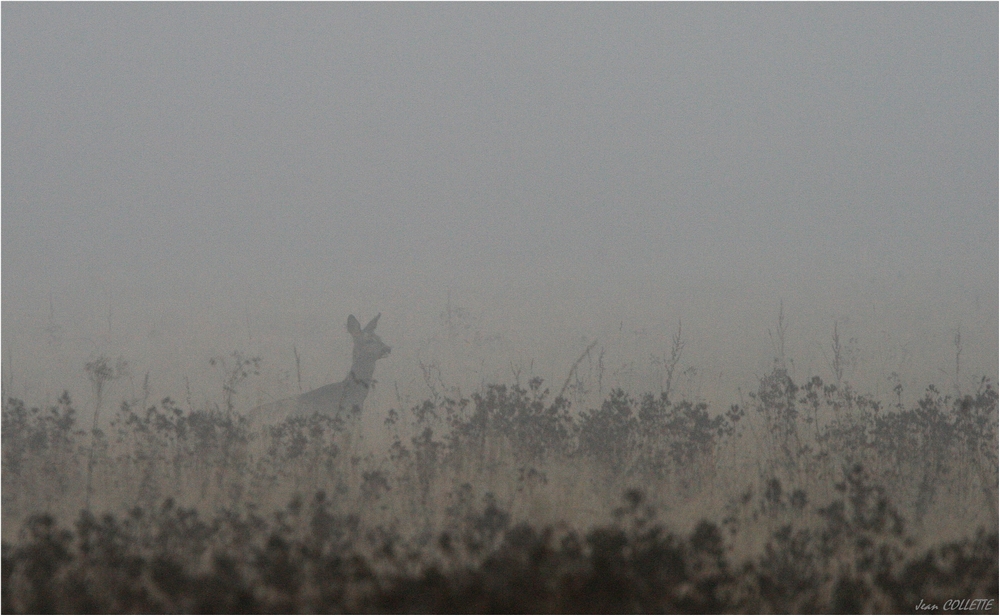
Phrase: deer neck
x=361 y=373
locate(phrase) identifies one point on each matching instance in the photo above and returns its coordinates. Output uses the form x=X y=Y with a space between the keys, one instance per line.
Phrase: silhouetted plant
x=43 y=455
x=680 y=438
x=534 y=428
x=941 y=438
x=775 y=402
x=608 y=434
x=302 y=454
x=234 y=373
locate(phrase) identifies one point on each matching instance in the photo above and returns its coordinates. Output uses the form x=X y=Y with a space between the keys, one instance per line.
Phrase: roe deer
x=336 y=399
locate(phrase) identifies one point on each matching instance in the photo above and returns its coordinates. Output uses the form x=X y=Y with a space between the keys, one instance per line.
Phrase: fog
x=506 y=184
x=499 y=307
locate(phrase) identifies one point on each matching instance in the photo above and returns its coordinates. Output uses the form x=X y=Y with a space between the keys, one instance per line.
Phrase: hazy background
x=506 y=184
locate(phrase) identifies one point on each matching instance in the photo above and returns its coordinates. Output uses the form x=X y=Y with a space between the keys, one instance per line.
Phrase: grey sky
x=185 y=180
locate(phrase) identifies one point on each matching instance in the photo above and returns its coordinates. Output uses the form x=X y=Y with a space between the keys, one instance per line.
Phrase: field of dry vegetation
x=807 y=497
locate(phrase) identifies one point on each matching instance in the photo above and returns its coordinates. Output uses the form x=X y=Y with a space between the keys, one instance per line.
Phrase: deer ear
x=371 y=324
x=353 y=326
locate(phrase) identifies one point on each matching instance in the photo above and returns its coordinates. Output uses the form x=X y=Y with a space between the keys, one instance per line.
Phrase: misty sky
x=180 y=181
